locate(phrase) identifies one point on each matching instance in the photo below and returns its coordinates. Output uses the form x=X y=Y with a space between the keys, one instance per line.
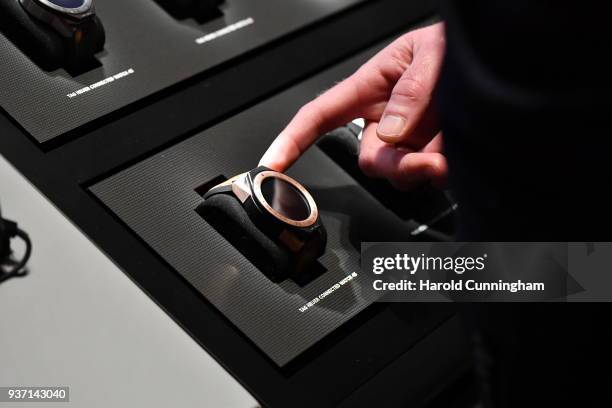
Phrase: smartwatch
x=75 y=21
x=280 y=207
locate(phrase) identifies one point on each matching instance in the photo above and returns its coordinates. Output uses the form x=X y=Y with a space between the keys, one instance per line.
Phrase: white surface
x=77 y=320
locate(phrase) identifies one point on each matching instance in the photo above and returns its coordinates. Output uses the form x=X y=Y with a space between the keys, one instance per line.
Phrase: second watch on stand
x=75 y=21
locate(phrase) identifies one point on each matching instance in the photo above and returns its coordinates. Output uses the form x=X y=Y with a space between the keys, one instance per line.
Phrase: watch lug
x=241 y=189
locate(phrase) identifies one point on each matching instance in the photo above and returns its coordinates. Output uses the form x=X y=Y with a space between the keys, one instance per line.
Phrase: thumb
x=408 y=115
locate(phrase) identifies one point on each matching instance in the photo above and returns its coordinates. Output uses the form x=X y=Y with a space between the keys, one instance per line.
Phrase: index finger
x=332 y=109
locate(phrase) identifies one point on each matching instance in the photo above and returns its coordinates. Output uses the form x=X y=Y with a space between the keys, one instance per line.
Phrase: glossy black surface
x=68 y=3
x=285 y=198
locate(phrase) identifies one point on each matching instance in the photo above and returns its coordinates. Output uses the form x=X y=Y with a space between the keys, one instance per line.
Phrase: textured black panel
x=161 y=50
x=361 y=351
x=156 y=198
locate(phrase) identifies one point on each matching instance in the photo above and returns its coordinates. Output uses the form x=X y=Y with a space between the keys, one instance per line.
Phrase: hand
x=393 y=93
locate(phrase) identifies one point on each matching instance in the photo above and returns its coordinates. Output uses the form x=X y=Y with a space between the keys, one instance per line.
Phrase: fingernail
x=267 y=158
x=270 y=156
x=391 y=126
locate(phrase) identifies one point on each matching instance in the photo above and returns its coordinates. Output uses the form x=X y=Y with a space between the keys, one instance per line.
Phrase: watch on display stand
x=75 y=21
x=282 y=209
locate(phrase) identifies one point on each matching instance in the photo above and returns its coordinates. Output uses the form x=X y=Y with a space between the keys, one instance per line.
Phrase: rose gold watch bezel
x=314 y=212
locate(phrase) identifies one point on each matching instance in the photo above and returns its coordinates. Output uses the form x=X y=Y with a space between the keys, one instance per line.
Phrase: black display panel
x=382 y=351
x=157 y=199
x=147 y=50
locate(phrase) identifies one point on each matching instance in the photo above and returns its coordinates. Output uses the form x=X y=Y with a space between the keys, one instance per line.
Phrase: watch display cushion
x=226 y=214
x=40 y=43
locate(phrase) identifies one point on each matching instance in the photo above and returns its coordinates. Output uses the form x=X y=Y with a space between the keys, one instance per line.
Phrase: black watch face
x=69 y=4
x=285 y=198
x=68 y=7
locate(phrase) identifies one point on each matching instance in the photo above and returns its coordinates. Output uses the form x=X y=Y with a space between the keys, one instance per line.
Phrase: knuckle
x=308 y=111
x=312 y=113
x=396 y=174
x=367 y=164
x=411 y=88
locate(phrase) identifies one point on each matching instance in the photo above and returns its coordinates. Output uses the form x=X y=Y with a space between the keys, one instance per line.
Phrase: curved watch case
x=305 y=223
x=63 y=19
x=305 y=236
x=247 y=186
x=84 y=10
